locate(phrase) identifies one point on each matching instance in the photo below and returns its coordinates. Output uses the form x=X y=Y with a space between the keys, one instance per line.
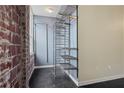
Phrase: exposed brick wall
x=14 y=45
x=10 y=47
x=26 y=63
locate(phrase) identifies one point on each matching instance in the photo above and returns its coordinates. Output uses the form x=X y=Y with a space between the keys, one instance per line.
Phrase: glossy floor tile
x=44 y=78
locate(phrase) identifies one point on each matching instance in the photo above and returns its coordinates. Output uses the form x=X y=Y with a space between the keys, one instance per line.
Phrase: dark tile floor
x=118 y=83
x=44 y=78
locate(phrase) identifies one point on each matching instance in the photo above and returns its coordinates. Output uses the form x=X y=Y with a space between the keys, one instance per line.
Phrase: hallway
x=54 y=43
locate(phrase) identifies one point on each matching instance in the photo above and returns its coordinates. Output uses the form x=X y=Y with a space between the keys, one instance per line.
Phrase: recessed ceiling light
x=50 y=10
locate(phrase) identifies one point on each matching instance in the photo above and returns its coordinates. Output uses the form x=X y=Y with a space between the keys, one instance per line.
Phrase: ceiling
x=46 y=10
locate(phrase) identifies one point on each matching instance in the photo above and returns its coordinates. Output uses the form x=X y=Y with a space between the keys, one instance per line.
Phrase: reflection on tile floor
x=44 y=78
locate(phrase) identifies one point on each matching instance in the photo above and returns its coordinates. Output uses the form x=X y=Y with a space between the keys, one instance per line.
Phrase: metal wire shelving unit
x=62 y=48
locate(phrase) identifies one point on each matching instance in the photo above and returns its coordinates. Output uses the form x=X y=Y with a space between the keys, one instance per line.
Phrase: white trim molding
x=82 y=83
x=72 y=78
x=45 y=66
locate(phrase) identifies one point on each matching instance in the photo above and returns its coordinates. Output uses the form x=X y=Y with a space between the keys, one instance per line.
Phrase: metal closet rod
x=72 y=17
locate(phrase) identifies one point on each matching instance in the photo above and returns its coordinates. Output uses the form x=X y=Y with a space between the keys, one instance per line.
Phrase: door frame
x=35 y=44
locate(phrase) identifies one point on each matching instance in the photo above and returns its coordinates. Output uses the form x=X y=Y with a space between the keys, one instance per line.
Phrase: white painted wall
x=101 y=43
x=123 y=41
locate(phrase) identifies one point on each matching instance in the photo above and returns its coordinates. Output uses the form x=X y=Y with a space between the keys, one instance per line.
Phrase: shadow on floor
x=44 y=78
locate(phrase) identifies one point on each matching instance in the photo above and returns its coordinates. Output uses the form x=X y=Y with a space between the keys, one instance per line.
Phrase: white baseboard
x=72 y=78
x=82 y=83
x=45 y=66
